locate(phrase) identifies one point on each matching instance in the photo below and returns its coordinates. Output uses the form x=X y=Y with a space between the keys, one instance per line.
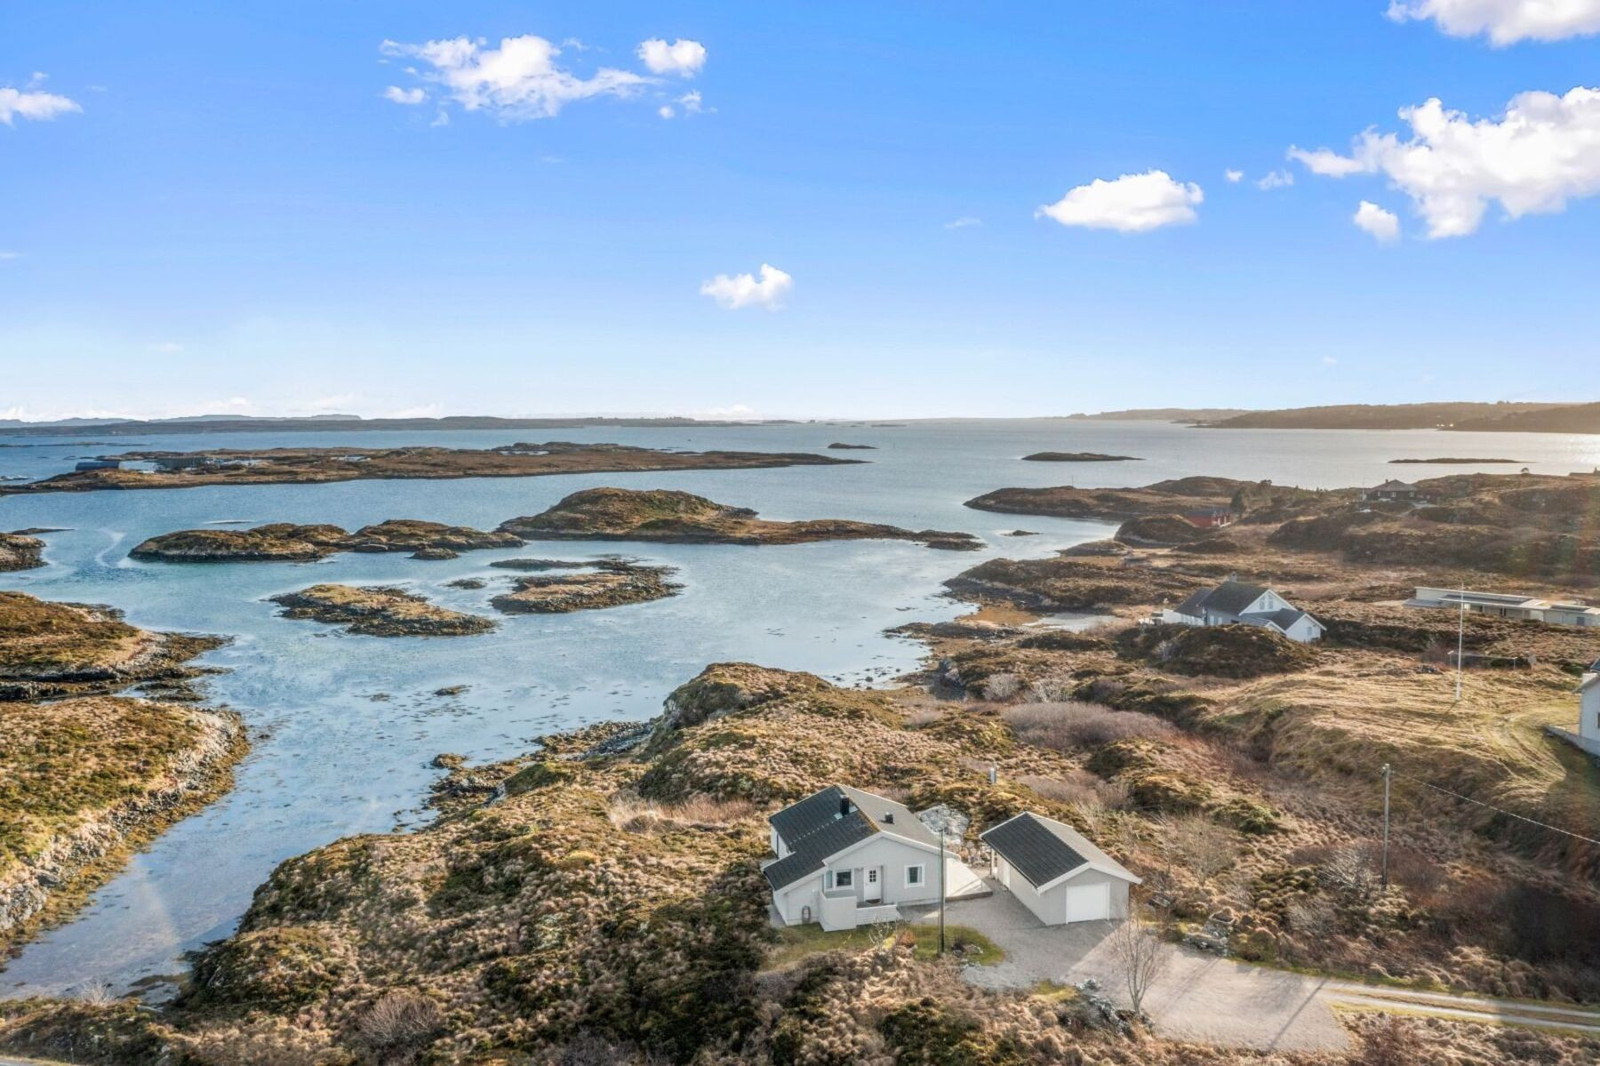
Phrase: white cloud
x=409 y=97
x=1505 y=21
x=1233 y=176
x=743 y=290
x=1277 y=179
x=518 y=81
x=36 y=106
x=1383 y=225
x=1329 y=360
x=1542 y=152
x=164 y=347
x=1133 y=203
x=963 y=222
x=681 y=57
x=665 y=111
x=5 y=255
x=692 y=102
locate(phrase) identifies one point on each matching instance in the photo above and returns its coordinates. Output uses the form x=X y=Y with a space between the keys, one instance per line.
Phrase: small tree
x=1140 y=957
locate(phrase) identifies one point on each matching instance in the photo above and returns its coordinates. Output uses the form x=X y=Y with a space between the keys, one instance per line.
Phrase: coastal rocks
x=611 y=583
x=1236 y=651
x=51 y=650
x=681 y=517
x=20 y=552
x=379 y=611
x=1079 y=457
x=90 y=779
x=286 y=542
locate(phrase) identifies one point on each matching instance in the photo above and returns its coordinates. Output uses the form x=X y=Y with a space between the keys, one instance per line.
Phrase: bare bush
x=1070 y=726
x=1350 y=867
x=1390 y=1042
x=918 y=717
x=1314 y=918
x=1001 y=687
x=400 y=1022
x=1051 y=690
x=1200 y=845
x=1079 y=787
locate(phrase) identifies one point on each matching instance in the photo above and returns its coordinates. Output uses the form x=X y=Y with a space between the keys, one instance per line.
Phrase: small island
x=1079 y=457
x=1454 y=461
x=286 y=542
x=20 y=552
x=667 y=516
x=604 y=583
x=840 y=446
x=274 y=466
x=379 y=611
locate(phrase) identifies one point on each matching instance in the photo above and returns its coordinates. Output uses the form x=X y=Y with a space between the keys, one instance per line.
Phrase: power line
x=1498 y=810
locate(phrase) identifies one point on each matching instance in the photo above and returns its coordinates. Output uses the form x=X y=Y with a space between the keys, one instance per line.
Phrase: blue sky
x=232 y=216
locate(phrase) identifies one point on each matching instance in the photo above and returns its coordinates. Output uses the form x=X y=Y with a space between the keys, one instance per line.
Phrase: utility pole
x=1461 y=640
x=1386 y=827
x=941 y=890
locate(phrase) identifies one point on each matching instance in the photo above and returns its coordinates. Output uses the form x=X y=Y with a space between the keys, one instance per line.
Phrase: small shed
x=1056 y=872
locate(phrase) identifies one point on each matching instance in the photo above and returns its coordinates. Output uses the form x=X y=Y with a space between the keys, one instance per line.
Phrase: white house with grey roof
x=1237 y=602
x=1056 y=872
x=846 y=858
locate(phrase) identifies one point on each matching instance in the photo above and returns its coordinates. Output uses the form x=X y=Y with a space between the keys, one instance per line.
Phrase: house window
x=842 y=878
x=915 y=875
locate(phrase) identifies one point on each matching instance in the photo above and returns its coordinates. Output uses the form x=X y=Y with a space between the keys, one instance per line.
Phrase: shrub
x=399 y=1023
x=1069 y=726
x=1001 y=687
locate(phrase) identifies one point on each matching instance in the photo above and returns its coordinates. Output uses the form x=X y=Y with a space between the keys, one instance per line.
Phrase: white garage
x=1056 y=872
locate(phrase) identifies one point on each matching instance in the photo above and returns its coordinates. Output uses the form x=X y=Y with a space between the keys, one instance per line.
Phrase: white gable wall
x=891 y=856
x=1589 y=713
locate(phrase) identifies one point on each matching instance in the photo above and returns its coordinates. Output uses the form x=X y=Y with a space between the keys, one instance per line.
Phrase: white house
x=1056 y=872
x=1589 y=710
x=1513 y=605
x=1239 y=603
x=846 y=858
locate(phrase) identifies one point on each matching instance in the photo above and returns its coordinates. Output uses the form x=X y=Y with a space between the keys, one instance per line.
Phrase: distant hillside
x=1572 y=418
x=1396 y=416
x=1165 y=414
x=322 y=424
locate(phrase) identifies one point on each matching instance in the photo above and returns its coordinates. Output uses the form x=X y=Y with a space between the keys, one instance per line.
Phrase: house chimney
x=844 y=806
x=888 y=817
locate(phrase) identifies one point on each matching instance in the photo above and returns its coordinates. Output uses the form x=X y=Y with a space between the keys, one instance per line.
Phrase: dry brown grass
x=1074 y=726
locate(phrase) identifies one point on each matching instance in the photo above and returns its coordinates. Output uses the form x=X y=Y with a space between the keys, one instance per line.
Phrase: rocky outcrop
x=680 y=517
x=20 y=552
x=285 y=542
x=610 y=583
x=83 y=847
x=380 y=611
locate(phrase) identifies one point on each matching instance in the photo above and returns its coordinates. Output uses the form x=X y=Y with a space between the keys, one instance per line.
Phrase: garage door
x=1088 y=903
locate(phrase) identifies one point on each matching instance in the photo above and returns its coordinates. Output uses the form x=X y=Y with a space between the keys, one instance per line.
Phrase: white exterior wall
x=1050 y=906
x=1305 y=630
x=1589 y=713
x=890 y=856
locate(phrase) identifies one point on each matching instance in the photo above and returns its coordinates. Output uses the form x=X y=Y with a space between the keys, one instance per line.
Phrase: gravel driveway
x=1200 y=997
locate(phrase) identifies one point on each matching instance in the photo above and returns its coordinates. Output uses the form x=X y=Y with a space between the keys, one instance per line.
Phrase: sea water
x=344 y=727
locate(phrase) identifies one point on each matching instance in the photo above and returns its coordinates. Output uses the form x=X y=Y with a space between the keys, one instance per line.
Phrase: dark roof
x=1043 y=849
x=816 y=827
x=1396 y=485
x=1283 y=619
x=806 y=855
x=1032 y=849
x=1229 y=598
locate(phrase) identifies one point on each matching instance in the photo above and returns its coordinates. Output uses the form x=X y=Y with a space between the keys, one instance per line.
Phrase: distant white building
x=1240 y=603
x=1515 y=606
x=1587 y=736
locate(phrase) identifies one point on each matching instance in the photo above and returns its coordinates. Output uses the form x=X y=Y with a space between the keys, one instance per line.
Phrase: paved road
x=1219 y=1001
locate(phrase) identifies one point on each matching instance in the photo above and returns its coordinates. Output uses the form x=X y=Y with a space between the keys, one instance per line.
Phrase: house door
x=872 y=892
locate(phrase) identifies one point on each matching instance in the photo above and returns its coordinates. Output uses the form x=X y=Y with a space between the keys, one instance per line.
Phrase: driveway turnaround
x=1199 y=997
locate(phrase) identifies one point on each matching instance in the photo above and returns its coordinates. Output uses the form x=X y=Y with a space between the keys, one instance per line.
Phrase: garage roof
x=1044 y=850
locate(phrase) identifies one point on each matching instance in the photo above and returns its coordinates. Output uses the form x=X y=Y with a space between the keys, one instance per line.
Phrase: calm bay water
x=345 y=726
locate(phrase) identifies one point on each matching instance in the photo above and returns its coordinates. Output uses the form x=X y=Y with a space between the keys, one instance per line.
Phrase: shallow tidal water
x=344 y=726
